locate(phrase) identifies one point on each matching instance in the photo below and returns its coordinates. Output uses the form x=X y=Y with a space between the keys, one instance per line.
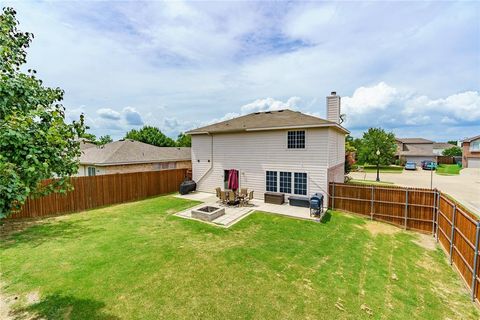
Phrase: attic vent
x=269 y=112
x=280 y=110
x=257 y=112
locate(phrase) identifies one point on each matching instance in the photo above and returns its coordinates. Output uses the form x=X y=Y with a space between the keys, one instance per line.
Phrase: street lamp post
x=378 y=164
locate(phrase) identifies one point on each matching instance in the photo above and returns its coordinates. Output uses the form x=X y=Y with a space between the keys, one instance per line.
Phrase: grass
x=383 y=169
x=448 y=169
x=370 y=182
x=138 y=261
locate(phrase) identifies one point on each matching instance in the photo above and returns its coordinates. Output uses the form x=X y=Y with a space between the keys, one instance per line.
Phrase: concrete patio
x=233 y=214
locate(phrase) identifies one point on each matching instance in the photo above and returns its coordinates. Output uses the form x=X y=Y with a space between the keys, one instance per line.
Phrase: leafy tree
x=184 y=140
x=453 y=142
x=378 y=147
x=452 y=152
x=35 y=142
x=104 y=140
x=89 y=136
x=150 y=135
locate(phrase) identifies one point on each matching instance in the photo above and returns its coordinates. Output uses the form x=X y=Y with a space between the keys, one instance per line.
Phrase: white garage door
x=418 y=159
x=474 y=162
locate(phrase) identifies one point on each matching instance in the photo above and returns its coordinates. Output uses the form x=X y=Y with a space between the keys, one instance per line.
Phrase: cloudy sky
x=410 y=67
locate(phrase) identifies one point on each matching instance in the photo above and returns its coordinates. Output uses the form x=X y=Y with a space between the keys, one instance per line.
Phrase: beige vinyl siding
x=253 y=153
x=201 y=155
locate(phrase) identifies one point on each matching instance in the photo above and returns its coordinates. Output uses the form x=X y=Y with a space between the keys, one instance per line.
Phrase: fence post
x=438 y=215
x=371 y=204
x=333 y=196
x=406 y=208
x=453 y=232
x=434 y=210
x=474 y=275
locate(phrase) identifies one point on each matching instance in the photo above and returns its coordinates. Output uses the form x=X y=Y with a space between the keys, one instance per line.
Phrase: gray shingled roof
x=415 y=151
x=130 y=151
x=414 y=140
x=442 y=145
x=471 y=139
x=267 y=120
x=86 y=144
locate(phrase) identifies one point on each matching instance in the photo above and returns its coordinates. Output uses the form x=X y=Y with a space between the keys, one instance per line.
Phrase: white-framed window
x=286 y=182
x=475 y=146
x=271 y=181
x=296 y=139
x=300 y=183
x=91 y=171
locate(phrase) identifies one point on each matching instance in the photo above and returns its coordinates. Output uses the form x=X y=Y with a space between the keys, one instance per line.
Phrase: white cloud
x=108 y=113
x=367 y=99
x=132 y=116
x=269 y=104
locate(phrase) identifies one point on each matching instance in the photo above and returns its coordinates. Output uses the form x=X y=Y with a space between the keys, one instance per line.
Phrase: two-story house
x=274 y=151
x=471 y=152
x=415 y=150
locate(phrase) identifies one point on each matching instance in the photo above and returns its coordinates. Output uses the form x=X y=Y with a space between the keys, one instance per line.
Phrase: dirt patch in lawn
x=425 y=241
x=376 y=228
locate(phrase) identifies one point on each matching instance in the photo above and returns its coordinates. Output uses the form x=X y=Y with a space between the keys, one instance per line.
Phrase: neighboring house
x=471 y=152
x=131 y=156
x=276 y=151
x=439 y=147
x=415 y=150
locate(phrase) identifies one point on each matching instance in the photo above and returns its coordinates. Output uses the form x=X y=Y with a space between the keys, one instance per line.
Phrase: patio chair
x=244 y=192
x=223 y=197
x=231 y=197
x=247 y=199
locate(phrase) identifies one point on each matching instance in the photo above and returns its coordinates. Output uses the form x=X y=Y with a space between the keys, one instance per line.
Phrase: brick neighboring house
x=130 y=156
x=471 y=152
x=415 y=150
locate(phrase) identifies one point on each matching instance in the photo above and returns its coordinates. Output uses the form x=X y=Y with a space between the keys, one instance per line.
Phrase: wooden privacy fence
x=97 y=191
x=445 y=160
x=455 y=228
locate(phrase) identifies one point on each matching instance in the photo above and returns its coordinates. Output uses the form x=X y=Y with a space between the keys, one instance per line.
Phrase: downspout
x=211 y=159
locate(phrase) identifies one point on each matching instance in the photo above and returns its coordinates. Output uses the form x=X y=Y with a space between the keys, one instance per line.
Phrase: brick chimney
x=333 y=107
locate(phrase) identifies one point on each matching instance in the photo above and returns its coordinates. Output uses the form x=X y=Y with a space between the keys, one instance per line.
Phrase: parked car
x=429 y=165
x=410 y=166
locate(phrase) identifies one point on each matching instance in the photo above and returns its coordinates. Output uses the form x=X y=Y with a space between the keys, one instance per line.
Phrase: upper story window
x=475 y=145
x=296 y=139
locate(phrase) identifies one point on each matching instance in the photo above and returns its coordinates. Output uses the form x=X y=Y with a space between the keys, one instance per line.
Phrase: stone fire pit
x=208 y=213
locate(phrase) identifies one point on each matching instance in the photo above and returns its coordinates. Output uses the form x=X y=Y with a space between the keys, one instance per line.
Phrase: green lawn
x=370 y=182
x=448 y=169
x=383 y=169
x=138 y=261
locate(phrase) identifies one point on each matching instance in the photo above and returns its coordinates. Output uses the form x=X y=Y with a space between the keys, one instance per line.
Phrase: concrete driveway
x=464 y=187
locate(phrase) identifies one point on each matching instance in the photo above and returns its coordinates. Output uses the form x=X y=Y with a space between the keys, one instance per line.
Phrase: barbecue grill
x=316 y=204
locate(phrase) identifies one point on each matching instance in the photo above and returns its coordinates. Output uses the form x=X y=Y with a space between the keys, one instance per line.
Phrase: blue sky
x=410 y=67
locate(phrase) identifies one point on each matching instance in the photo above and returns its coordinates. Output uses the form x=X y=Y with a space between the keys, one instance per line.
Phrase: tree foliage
x=150 y=135
x=35 y=142
x=184 y=140
x=452 y=152
x=377 y=139
x=104 y=140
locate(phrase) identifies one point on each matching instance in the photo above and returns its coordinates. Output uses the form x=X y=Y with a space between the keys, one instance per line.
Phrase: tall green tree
x=150 y=135
x=104 y=140
x=35 y=142
x=378 y=147
x=452 y=152
x=184 y=140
